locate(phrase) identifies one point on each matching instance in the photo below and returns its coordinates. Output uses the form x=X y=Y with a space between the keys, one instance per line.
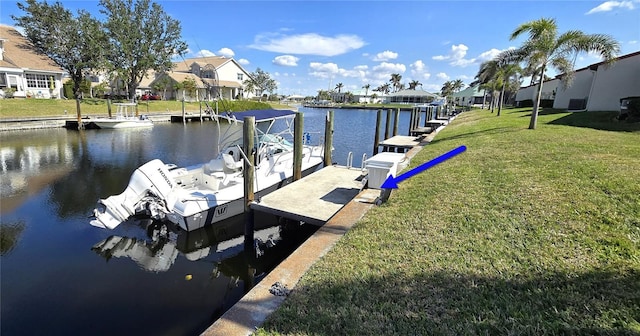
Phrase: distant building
x=24 y=72
x=597 y=87
x=410 y=97
x=215 y=76
x=471 y=96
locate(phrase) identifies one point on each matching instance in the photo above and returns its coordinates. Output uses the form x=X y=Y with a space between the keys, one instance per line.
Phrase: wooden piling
x=412 y=117
x=387 y=125
x=298 y=127
x=200 y=104
x=376 y=137
x=79 y=115
x=328 y=138
x=396 y=120
x=184 y=115
x=109 y=108
x=248 y=174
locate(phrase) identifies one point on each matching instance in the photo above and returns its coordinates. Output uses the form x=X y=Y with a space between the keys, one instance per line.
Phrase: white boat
x=124 y=118
x=195 y=196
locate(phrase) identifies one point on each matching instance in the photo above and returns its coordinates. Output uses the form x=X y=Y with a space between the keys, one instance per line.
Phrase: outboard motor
x=150 y=180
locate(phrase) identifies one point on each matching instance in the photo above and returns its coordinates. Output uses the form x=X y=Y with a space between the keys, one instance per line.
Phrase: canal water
x=62 y=276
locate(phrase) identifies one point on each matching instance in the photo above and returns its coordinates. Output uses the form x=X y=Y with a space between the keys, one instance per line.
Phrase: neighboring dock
x=315 y=198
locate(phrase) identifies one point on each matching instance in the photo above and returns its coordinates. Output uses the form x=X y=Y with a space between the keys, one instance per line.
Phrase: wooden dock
x=400 y=143
x=315 y=198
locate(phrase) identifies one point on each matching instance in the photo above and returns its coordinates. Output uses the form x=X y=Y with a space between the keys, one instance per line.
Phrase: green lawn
x=16 y=108
x=527 y=232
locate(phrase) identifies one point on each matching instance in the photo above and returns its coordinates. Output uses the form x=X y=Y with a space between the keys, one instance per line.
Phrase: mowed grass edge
x=527 y=232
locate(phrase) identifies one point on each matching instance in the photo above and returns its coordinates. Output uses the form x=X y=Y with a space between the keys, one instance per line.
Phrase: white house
x=215 y=76
x=471 y=96
x=411 y=97
x=24 y=72
x=601 y=86
x=597 y=87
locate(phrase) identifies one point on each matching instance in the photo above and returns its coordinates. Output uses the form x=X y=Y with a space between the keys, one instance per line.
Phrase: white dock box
x=380 y=166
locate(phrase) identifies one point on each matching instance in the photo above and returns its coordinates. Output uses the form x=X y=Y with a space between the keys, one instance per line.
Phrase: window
x=36 y=81
x=240 y=77
x=3 y=80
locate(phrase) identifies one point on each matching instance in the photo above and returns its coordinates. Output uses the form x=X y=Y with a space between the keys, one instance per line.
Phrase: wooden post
x=184 y=115
x=427 y=112
x=248 y=174
x=328 y=138
x=411 y=121
x=387 y=125
x=109 y=107
x=376 y=138
x=298 y=127
x=396 y=120
x=200 y=102
x=80 y=125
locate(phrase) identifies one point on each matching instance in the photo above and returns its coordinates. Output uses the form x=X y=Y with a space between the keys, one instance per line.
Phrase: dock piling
x=184 y=119
x=248 y=173
x=396 y=121
x=298 y=127
x=376 y=138
x=328 y=138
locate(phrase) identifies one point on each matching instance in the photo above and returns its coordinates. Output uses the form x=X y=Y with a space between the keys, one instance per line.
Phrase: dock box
x=380 y=166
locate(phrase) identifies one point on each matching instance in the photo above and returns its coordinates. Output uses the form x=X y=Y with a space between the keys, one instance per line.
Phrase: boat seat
x=230 y=165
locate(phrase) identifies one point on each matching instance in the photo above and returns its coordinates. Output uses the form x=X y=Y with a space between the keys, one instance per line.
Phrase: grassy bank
x=527 y=232
x=18 y=108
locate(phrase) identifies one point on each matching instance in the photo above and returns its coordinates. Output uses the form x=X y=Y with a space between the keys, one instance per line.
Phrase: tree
x=259 y=82
x=75 y=43
x=506 y=69
x=384 y=88
x=190 y=87
x=414 y=84
x=457 y=85
x=366 y=88
x=447 y=89
x=395 y=81
x=339 y=87
x=487 y=78
x=142 y=37
x=545 y=47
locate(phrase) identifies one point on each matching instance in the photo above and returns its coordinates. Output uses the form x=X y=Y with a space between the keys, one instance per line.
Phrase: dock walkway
x=315 y=198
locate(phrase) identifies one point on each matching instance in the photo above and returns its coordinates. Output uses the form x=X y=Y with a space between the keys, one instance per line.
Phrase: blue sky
x=311 y=45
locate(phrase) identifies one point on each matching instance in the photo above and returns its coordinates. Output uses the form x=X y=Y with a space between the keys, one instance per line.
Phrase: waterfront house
x=410 y=97
x=25 y=72
x=597 y=87
x=471 y=96
x=215 y=77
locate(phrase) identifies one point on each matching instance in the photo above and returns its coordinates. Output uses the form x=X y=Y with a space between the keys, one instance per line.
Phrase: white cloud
x=419 y=70
x=204 y=53
x=386 y=55
x=286 y=60
x=360 y=67
x=323 y=70
x=243 y=61
x=226 y=52
x=308 y=44
x=331 y=70
x=632 y=42
x=456 y=56
x=611 y=5
x=431 y=87
x=442 y=76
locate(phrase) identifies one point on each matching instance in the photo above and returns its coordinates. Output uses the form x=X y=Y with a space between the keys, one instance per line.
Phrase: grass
x=527 y=232
x=17 y=108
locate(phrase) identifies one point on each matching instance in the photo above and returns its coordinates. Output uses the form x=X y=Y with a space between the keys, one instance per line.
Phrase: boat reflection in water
x=222 y=245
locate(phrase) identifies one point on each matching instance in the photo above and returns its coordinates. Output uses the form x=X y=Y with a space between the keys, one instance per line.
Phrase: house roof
x=472 y=91
x=19 y=53
x=412 y=93
x=185 y=65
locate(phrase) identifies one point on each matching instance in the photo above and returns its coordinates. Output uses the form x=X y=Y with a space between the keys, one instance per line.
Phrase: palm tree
x=506 y=69
x=457 y=85
x=414 y=84
x=545 y=47
x=447 y=89
x=339 y=87
x=366 y=88
x=395 y=81
x=486 y=78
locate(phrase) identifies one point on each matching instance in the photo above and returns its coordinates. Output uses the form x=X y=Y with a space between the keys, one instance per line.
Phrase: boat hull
x=117 y=124
x=227 y=209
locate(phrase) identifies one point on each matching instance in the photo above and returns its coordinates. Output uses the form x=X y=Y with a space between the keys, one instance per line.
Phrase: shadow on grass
x=597 y=120
x=596 y=302
x=477 y=133
x=545 y=111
